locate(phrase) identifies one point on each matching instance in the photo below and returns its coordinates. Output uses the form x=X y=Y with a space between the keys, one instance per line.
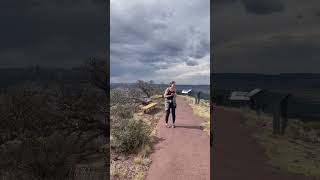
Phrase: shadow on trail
x=155 y=141
x=156 y=110
x=189 y=127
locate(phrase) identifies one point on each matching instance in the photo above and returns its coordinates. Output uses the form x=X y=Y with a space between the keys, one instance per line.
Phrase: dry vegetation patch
x=135 y=165
x=133 y=132
x=202 y=110
x=47 y=127
x=298 y=151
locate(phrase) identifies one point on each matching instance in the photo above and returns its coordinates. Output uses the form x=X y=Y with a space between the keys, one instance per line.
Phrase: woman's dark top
x=169 y=93
x=170 y=101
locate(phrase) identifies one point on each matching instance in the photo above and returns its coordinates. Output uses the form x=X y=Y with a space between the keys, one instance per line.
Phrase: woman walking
x=170 y=102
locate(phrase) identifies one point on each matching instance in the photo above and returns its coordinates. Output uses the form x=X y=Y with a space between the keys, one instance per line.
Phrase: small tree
x=31 y=116
x=146 y=87
x=97 y=70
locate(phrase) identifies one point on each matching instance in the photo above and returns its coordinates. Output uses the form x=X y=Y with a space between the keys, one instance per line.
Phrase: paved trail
x=184 y=151
x=237 y=155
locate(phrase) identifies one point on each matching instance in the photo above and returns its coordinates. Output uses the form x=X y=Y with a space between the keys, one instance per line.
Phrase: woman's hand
x=175 y=93
x=170 y=95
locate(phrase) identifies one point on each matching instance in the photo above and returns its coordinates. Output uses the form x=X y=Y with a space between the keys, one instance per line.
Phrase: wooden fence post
x=280 y=115
x=284 y=113
x=276 y=119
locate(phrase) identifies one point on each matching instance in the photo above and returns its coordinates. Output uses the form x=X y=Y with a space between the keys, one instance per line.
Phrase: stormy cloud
x=263 y=6
x=51 y=33
x=276 y=41
x=149 y=39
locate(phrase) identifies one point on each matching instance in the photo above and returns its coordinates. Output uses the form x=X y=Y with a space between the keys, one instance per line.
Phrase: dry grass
x=156 y=97
x=141 y=156
x=202 y=110
x=85 y=173
x=136 y=165
x=139 y=176
x=133 y=167
x=116 y=172
x=142 y=159
x=298 y=151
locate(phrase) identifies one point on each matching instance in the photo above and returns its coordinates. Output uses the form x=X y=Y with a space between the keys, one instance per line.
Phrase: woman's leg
x=167 y=115
x=173 y=114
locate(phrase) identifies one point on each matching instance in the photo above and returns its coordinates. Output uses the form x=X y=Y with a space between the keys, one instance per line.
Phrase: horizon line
x=161 y=84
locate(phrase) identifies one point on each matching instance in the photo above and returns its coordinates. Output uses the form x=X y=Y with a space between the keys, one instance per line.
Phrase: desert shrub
x=159 y=90
x=32 y=114
x=130 y=135
x=146 y=87
x=299 y=130
x=41 y=158
x=119 y=97
x=97 y=71
x=87 y=173
x=135 y=93
x=122 y=112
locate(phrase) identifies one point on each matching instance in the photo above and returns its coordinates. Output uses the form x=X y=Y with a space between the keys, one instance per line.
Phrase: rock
x=121 y=158
x=115 y=158
x=146 y=161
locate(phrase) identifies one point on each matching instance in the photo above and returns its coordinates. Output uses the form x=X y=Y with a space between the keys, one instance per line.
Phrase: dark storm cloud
x=263 y=6
x=316 y=11
x=51 y=33
x=284 y=53
x=218 y=2
x=191 y=63
x=201 y=48
x=254 y=6
x=274 y=43
x=148 y=36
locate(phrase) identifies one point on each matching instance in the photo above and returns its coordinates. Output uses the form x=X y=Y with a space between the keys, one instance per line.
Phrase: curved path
x=237 y=155
x=183 y=153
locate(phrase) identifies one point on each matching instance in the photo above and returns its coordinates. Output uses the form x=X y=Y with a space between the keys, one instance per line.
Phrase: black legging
x=173 y=110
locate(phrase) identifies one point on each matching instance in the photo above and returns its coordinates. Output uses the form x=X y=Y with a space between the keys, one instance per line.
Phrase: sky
x=52 y=33
x=164 y=40
x=160 y=41
x=266 y=36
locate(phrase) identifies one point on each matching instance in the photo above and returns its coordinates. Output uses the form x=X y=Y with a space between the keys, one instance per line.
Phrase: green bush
x=130 y=135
